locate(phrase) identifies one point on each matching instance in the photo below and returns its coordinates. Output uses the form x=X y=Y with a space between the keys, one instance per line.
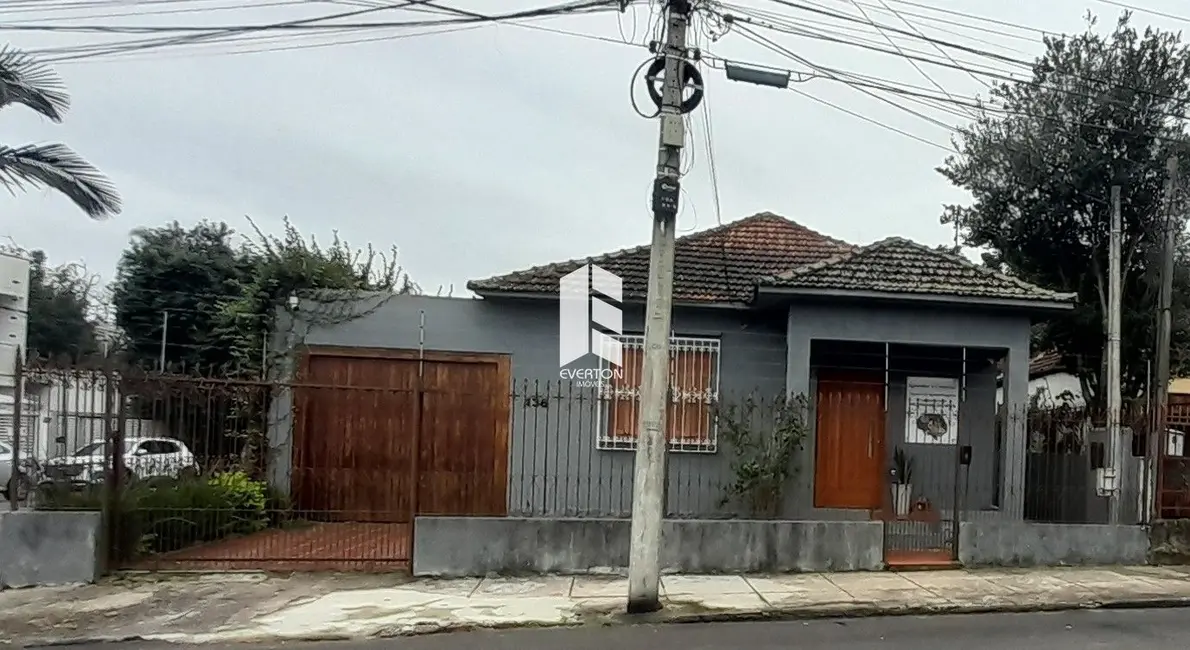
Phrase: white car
x=23 y=477
x=143 y=458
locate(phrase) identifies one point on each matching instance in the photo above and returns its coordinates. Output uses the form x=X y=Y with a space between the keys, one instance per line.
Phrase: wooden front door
x=849 y=442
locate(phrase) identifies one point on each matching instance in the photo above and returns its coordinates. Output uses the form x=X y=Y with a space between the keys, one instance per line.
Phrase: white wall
x=1060 y=387
x=74 y=410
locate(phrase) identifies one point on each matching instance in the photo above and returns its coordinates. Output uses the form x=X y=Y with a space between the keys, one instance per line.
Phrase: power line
x=870 y=120
x=269 y=43
x=898 y=48
x=239 y=6
x=990 y=73
x=964 y=14
x=831 y=73
x=215 y=33
x=964 y=48
x=241 y=33
x=937 y=47
x=865 y=83
x=1144 y=10
x=315 y=22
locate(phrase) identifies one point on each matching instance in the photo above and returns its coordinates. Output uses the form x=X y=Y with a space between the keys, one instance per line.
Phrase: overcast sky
x=492 y=149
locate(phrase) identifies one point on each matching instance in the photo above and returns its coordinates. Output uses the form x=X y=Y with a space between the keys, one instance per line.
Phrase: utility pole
x=1113 y=358
x=164 y=329
x=648 y=487
x=1157 y=441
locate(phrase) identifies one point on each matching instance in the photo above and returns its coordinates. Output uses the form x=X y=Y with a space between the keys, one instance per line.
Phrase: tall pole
x=648 y=487
x=1113 y=357
x=164 y=329
x=1157 y=441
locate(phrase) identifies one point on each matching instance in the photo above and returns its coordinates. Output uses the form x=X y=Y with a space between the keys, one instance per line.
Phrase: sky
x=487 y=150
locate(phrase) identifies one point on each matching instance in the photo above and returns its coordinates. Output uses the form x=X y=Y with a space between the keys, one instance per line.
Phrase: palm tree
x=25 y=81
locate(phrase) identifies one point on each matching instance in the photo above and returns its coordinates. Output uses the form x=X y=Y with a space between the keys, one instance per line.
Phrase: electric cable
x=192 y=34
x=632 y=90
x=1144 y=10
x=984 y=72
x=937 y=47
x=992 y=55
x=898 y=48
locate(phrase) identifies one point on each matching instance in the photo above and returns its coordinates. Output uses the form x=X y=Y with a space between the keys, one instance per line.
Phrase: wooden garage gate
x=375 y=443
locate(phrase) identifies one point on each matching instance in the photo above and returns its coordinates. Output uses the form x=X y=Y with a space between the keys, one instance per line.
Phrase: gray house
x=896 y=347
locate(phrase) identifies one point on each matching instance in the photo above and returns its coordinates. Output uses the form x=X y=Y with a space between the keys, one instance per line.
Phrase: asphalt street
x=1156 y=629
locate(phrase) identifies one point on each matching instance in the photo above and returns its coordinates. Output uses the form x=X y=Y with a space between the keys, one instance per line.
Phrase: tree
x=187 y=273
x=26 y=82
x=1039 y=163
x=60 y=302
x=223 y=294
x=289 y=265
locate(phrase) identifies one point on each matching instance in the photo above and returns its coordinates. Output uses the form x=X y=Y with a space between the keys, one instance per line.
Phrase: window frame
x=607 y=442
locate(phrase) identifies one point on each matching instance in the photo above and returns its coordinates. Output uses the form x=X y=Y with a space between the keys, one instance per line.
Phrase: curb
x=662 y=617
x=82 y=640
x=871 y=609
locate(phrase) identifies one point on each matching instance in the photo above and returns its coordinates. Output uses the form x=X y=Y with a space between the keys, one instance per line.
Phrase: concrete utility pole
x=648 y=487
x=1113 y=358
x=164 y=330
x=1157 y=441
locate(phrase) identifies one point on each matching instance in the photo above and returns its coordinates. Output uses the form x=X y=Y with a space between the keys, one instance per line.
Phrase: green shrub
x=164 y=515
x=241 y=492
x=279 y=507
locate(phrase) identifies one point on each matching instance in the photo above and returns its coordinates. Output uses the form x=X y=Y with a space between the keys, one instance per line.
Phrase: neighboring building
x=895 y=344
x=1051 y=382
x=14 y=315
x=14 y=331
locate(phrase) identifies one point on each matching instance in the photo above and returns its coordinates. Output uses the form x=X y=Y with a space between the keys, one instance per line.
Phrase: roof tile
x=900 y=266
x=716 y=265
x=726 y=264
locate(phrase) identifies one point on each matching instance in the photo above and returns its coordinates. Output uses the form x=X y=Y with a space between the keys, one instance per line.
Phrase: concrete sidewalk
x=257 y=607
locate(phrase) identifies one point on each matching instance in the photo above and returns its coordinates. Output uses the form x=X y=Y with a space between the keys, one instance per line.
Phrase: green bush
x=280 y=508
x=164 y=515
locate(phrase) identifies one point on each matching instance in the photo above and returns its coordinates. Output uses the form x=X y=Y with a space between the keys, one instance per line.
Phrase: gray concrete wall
x=1169 y=541
x=554 y=466
x=935 y=326
x=471 y=546
x=1026 y=544
x=40 y=548
x=937 y=474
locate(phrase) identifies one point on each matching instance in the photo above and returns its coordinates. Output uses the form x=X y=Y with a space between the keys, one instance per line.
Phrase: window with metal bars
x=694 y=388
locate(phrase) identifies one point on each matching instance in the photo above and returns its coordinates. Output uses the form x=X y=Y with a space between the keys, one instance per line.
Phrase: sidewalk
x=256 y=607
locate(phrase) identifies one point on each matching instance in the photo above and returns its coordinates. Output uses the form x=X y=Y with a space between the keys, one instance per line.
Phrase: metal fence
x=218 y=473
x=562 y=465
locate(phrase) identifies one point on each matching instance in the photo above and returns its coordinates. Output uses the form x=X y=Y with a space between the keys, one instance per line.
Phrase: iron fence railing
x=230 y=473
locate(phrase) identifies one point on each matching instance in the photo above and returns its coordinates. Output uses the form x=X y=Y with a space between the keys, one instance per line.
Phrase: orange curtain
x=623 y=412
x=688 y=419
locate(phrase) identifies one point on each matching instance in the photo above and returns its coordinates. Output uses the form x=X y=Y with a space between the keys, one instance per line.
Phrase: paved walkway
x=220 y=608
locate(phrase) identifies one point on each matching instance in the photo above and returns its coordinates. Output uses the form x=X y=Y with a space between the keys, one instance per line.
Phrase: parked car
x=21 y=479
x=144 y=458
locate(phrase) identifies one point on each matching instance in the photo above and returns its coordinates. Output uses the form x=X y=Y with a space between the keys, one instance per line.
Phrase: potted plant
x=902 y=487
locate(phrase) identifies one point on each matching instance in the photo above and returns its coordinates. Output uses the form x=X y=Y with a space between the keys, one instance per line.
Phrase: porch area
x=910 y=435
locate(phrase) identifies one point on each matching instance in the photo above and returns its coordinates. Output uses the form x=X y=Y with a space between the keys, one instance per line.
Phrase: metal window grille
x=694 y=389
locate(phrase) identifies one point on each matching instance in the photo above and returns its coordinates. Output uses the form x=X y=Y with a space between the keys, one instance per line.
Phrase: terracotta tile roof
x=716 y=265
x=899 y=266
